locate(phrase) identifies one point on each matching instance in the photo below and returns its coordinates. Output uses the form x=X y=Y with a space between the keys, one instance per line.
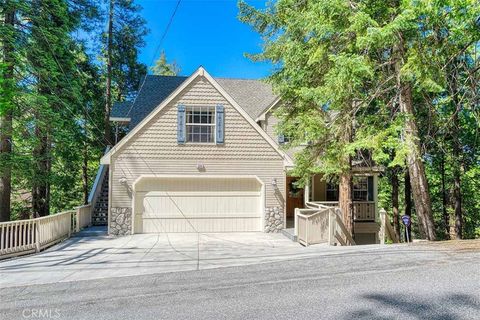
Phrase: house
x=201 y=155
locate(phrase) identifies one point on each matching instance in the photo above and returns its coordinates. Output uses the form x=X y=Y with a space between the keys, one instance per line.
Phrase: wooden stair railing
x=338 y=231
x=386 y=228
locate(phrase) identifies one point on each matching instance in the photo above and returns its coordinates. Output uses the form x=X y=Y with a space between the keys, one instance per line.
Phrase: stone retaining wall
x=120 y=221
x=273 y=219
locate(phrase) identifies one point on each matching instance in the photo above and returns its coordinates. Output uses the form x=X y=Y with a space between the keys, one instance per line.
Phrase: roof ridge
x=246 y=79
x=221 y=78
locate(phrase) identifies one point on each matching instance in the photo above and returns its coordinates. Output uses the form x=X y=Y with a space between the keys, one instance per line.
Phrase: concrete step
x=289 y=233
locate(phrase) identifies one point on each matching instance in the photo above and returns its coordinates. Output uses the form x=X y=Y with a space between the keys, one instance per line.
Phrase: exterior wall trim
x=119 y=119
x=195 y=176
x=267 y=110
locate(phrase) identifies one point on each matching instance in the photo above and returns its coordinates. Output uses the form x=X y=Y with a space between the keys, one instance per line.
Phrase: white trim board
x=201 y=72
x=262 y=116
x=119 y=119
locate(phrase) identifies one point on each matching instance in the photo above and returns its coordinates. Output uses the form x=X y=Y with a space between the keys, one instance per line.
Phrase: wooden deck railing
x=386 y=228
x=311 y=225
x=321 y=224
x=33 y=235
x=362 y=210
x=338 y=230
x=83 y=217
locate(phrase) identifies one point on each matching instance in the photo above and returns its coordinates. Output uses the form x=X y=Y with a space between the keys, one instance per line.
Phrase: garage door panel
x=199 y=204
x=176 y=207
x=194 y=185
x=201 y=225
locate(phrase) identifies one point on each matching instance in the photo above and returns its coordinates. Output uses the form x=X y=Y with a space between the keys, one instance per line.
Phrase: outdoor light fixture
x=200 y=166
x=274 y=182
x=122 y=180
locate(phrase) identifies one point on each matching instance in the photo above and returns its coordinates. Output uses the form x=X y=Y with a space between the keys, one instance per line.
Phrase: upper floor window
x=360 y=189
x=282 y=139
x=332 y=191
x=200 y=124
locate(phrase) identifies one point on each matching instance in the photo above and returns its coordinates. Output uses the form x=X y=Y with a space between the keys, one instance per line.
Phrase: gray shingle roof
x=120 y=109
x=254 y=96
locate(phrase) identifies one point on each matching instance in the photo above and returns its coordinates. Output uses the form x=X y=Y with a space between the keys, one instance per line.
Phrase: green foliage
x=57 y=94
x=129 y=29
x=163 y=68
x=335 y=66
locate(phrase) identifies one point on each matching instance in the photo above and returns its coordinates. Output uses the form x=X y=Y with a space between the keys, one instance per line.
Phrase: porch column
x=306 y=192
x=375 y=195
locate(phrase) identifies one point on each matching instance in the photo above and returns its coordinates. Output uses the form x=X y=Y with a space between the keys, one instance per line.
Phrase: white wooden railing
x=338 y=231
x=386 y=228
x=311 y=225
x=97 y=184
x=362 y=210
x=33 y=235
x=321 y=224
x=83 y=217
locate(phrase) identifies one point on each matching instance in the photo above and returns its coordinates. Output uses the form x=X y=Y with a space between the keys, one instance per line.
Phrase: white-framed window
x=200 y=124
x=360 y=188
x=332 y=191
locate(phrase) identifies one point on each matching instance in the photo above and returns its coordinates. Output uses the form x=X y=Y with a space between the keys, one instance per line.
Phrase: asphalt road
x=414 y=282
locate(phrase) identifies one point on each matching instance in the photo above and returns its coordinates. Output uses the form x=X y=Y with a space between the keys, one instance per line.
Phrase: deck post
x=77 y=218
x=381 y=233
x=36 y=225
x=295 y=227
x=331 y=226
x=306 y=192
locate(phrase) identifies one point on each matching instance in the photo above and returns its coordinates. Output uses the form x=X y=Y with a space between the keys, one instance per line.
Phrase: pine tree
x=329 y=54
x=163 y=68
x=7 y=88
x=126 y=29
x=321 y=77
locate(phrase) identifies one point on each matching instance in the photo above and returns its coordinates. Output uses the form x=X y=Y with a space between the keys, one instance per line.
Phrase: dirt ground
x=455 y=245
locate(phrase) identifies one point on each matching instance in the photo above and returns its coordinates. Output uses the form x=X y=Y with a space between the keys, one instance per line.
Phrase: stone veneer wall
x=120 y=221
x=273 y=219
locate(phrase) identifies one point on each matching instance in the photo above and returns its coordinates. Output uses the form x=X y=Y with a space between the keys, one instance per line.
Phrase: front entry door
x=294 y=197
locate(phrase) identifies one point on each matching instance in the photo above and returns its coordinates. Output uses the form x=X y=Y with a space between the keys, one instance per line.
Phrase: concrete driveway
x=98 y=256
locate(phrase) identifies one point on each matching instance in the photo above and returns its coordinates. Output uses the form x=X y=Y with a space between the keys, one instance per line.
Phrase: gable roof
x=199 y=73
x=253 y=96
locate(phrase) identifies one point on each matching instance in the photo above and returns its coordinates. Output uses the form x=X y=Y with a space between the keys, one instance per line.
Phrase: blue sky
x=205 y=33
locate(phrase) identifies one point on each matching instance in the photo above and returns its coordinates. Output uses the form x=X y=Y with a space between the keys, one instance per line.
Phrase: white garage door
x=203 y=204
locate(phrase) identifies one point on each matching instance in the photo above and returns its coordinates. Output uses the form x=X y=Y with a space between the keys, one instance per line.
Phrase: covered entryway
x=198 y=204
x=295 y=199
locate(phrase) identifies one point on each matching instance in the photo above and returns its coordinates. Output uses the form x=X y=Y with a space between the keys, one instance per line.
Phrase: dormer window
x=200 y=124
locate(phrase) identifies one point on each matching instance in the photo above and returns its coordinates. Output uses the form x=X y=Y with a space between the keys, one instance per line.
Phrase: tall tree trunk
x=457 y=152
x=85 y=173
x=395 y=209
x=6 y=121
x=345 y=186
x=457 y=165
x=446 y=217
x=408 y=203
x=108 y=93
x=41 y=181
x=418 y=177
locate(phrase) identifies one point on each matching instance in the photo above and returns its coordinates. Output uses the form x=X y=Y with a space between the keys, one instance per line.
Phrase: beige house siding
x=270 y=125
x=154 y=150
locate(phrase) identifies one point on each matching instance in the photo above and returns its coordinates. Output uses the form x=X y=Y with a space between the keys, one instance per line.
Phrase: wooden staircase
x=100 y=209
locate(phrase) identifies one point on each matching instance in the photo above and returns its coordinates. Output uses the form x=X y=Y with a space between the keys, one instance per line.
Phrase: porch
x=320 y=195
